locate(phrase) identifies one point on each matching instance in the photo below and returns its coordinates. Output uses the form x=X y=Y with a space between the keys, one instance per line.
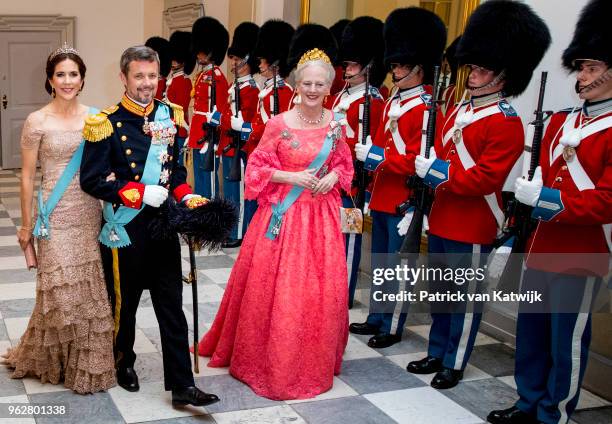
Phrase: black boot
x=127 y=378
x=511 y=416
x=382 y=340
x=427 y=365
x=363 y=328
x=192 y=396
x=446 y=378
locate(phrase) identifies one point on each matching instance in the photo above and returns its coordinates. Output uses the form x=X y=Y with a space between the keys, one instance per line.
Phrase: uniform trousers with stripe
x=552 y=347
x=206 y=183
x=250 y=207
x=156 y=266
x=454 y=327
x=234 y=192
x=386 y=240
x=352 y=250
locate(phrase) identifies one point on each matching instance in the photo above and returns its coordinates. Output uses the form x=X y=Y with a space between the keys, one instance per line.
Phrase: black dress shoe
x=511 y=416
x=382 y=340
x=446 y=378
x=230 y=244
x=363 y=328
x=427 y=365
x=127 y=378
x=192 y=396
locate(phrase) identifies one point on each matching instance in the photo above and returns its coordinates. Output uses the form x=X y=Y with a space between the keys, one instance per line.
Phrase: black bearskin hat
x=362 y=41
x=592 y=36
x=243 y=44
x=180 y=50
x=162 y=47
x=505 y=35
x=450 y=56
x=414 y=36
x=308 y=37
x=337 y=29
x=209 y=36
x=273 y=44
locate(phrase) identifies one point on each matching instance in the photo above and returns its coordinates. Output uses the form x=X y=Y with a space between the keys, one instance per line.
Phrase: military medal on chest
x=457 y=135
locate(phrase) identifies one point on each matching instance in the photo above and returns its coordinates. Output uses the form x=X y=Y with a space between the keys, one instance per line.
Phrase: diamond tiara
x=63 y=50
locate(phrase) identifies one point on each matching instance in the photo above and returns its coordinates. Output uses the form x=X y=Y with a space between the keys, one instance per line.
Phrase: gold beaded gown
x=70 y=333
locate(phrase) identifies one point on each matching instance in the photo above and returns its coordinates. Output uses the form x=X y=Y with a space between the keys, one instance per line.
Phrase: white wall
x=561 y=19
x=103 y=30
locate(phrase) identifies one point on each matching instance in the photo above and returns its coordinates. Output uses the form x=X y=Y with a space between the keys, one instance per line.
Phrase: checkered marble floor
x=372 y=388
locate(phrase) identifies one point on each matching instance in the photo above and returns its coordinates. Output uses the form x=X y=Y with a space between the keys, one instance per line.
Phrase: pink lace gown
x=282 y=326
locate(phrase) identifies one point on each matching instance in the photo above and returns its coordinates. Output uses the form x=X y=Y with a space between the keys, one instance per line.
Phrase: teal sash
x=42 y=229
x=279 y=209
x=113 y=232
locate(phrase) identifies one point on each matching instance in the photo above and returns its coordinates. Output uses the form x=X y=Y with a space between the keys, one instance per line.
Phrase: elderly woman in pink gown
x=282 y=326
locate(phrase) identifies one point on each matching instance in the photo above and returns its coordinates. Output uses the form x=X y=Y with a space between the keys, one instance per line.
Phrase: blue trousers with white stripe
x=234 y=192
x=352 y=249
x=206 y=183
x=452 y=335
x=385 y=239
x=552 y=348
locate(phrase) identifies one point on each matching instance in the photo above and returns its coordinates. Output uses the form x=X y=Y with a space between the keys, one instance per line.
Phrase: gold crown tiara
x=64 y=50
x=314 y=54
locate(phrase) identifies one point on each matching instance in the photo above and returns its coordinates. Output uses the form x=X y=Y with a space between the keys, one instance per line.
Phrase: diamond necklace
x=311 y=121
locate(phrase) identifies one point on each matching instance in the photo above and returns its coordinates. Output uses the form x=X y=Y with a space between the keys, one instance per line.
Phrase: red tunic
x=577 y=228
x=200 y=94
x=178 y=91
x=389 y=187
x=460 y=211
x=248 y=106
x=265 y=107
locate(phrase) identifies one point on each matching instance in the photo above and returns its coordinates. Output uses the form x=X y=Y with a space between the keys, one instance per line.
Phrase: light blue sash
x=281 y=207
x=113 y=232
x=42 y=229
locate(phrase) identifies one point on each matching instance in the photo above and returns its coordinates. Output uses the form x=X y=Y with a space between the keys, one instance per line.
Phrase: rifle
x=275 y=105
x=360 y=171
x=212 y=132
x=236 y=144
x=519 y=224
x=422 y=196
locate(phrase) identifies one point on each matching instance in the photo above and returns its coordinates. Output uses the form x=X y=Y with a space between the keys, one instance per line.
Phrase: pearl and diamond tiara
x=64 y=50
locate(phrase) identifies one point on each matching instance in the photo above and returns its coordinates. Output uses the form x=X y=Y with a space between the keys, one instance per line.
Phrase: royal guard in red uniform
x=178 y=84
x=162 y=48
x=477 y=145
x=414 y=42
x=209 y=41
x=243 y=107
x=337 y=29
x=308 y=37
x=568 y=253
x=449 y=67
x=362 y=44
x=275 y=96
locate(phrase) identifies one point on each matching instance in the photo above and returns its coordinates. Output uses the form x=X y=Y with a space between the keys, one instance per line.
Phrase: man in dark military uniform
x=131 y=162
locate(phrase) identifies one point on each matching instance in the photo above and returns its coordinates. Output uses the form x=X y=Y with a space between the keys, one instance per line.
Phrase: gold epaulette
x=98 y=126
x=178 y=113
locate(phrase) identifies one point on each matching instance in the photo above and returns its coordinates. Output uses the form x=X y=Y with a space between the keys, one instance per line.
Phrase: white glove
x=204 y=148
x=189 y=196
x=528 y=192
x=422 y=164
x=361 y=150
x=208 y=115
x=154 y=195
x=237 y=122
x=402 y=226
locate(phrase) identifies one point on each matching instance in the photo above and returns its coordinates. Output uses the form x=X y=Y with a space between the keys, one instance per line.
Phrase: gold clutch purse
x=351 y=220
